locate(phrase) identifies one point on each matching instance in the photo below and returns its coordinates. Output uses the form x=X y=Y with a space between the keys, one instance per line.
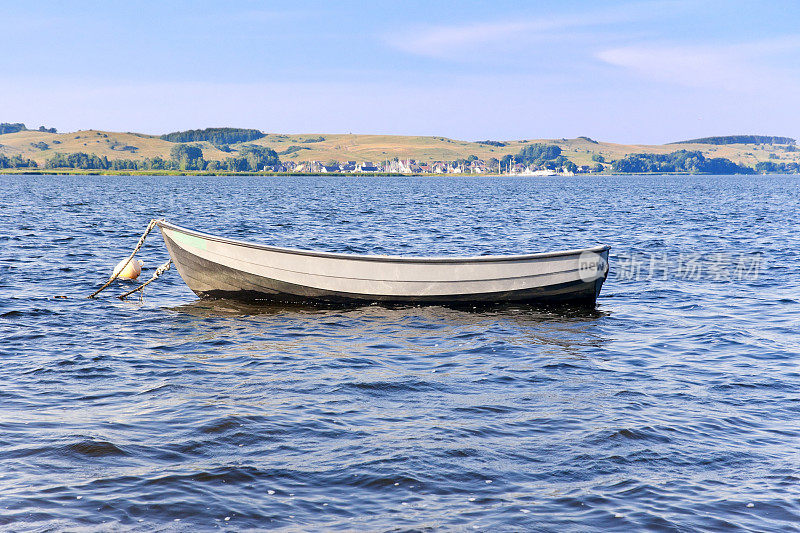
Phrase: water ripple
x=671 y=406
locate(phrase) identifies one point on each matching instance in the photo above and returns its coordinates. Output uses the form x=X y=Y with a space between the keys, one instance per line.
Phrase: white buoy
x=131 y=271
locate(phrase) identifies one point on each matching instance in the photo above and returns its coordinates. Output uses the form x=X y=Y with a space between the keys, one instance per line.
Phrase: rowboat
x=219 y=267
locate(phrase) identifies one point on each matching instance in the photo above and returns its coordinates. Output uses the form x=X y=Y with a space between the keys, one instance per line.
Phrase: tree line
x=249 y=158
x=740 y=139
x=9 y=127
x=14 y=127
x=540 y=155
x=216 y=136
x=254 y=158
x=16 y=161
x=771 y=167
x=679 y=161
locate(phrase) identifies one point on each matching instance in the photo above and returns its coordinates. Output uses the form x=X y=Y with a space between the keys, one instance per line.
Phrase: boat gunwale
x=382 y=258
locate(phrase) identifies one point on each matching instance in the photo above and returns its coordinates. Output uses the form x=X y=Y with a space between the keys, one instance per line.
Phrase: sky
x=646 y=72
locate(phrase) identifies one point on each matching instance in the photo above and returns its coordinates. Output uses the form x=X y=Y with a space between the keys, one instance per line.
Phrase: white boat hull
x=216 y=267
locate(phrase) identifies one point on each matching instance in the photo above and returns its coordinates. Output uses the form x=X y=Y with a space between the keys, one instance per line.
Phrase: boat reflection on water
x=208 y=308
x=381 y=330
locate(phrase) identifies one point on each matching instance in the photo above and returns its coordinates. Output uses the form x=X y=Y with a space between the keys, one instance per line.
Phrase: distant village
x=411 y=166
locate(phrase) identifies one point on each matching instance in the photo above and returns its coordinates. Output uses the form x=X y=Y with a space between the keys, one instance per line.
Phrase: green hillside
x=40 y=146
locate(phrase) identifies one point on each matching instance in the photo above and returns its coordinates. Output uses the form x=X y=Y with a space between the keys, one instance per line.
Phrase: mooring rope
x=150 y=227
x=160 y=270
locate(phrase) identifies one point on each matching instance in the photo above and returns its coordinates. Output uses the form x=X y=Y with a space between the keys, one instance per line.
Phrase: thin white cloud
x=461 y=41
x=445 y=41
x=745 y=67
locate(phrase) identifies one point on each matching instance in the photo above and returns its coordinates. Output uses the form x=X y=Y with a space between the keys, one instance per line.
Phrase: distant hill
x=124 y=149
x=217 y=136
x=740 y=139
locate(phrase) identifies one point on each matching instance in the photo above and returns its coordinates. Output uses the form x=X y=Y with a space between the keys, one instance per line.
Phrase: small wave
x=483 y=409
x=630 y=394
x=226 y=424
x=220 y=426
x=382 y=387
x=646 y=433
x=461 y=452
x=381 y=482
x=561 y=366
x=233 y=475
x=94 y=448
x=166 y=387
x=736 y=386
x=34 y=312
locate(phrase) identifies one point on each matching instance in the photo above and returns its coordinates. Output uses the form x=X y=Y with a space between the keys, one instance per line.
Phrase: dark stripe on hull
x=238 y=285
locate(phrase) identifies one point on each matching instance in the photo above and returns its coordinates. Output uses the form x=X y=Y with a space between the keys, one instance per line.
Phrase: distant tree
x=770 y=167
x=8 y=127
x=538 y=153
x=252 y=158
x=721 y=165
x=16 y=161
x=236 y=164
x=47 y=130
x=125 y=164
x=78 y=160
x=292 y=149
x=188 y=157
x=679 y=161
x=186 y=151
x=740 y=139
x=157 y=163
x=598 y=158
x=216 y=136
x=259 y=157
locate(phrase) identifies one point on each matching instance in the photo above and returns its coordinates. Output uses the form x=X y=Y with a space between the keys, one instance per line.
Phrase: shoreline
x=89 y=172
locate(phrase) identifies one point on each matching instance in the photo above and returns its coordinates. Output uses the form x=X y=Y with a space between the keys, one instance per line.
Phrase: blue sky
x=628 y=71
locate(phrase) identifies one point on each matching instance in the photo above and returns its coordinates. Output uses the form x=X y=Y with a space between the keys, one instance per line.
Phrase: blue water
x=673 y=406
